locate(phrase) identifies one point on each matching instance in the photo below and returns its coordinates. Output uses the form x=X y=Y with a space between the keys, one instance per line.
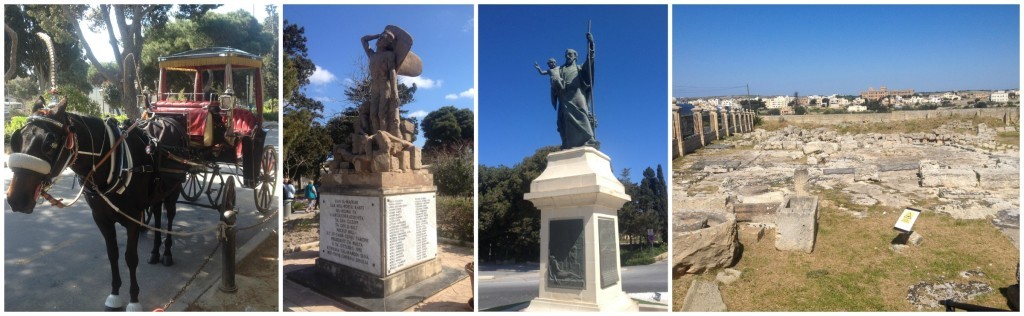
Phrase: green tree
x=32 y=57
x=297 y=65
x=124 y=25
x=752 y=104
x=237 y=29
x=648 y=208
x=876 y=106
x=270 y=64
x=799 y=110
x=447 y=126
x=509 y=227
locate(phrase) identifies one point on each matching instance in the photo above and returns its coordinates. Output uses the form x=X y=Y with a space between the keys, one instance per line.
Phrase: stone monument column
x=725 y=122
x=579 y=197
x=698 y=124
x=713 y=118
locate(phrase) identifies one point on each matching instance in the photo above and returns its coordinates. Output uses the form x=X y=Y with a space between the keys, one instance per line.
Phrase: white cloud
x=326 y=99
x=321 y=76
x=468 y=94
x=421 y=82
x=419 y=114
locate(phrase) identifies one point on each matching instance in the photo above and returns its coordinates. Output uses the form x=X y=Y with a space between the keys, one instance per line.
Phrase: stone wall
x=1011 y=114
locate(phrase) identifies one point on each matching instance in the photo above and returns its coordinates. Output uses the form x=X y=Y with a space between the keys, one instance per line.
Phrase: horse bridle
x=71 y=146
x=68 y=151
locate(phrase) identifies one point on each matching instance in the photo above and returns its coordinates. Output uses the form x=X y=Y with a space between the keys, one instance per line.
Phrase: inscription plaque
x=566 y=254
x=350 y=231
x=411 y=228
x=608 y=248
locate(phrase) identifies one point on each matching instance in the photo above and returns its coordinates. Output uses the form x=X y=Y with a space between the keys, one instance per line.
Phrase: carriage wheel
x=266 y=180
x=195 y=180
x=216 y=196
x=228 y=196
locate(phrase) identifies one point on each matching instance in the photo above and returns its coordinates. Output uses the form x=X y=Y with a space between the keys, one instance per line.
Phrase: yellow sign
x=906 y=221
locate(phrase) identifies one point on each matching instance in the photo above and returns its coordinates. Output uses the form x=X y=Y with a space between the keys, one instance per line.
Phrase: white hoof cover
x=114 y=302
x=134 y=307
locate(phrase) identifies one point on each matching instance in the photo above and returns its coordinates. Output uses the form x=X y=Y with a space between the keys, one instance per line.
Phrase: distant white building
x=999 y=96
x=917 y=100
x=777 y=102
x=856 y=108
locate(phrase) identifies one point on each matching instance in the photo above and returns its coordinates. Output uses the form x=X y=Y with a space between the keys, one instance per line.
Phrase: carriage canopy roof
x=211 y=56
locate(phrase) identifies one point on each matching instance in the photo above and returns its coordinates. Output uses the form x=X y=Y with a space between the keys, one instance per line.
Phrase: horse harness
x=121 y=158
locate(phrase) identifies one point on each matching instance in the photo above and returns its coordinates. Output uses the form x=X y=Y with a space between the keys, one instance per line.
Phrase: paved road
x=55 y=260
x=503 y=285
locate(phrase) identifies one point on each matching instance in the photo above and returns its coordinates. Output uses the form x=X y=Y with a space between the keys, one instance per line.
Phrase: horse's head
x=39 y=152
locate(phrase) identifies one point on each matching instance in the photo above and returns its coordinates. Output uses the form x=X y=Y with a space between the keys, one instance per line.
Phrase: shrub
x=14 y=124
x=632 y=256
x=453 y=172
x=270 y=110
x=773 y=112
x=455 y=217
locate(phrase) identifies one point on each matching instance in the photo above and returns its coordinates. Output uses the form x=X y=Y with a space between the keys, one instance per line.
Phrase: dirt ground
x=257 y=281
x=301 y=229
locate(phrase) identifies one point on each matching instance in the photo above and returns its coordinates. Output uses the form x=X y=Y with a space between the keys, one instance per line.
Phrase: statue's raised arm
x=366 y=43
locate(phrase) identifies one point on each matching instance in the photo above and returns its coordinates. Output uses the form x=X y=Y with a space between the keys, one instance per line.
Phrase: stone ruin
x=768 y=184
x=703 y=240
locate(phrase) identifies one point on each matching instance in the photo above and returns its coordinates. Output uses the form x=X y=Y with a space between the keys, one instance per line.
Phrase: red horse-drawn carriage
x=217 y=94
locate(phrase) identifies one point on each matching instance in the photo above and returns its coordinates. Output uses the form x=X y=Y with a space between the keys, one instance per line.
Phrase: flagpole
x=590 y=98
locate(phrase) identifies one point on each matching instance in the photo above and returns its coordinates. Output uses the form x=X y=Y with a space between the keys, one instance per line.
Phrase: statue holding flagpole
x=572 y=95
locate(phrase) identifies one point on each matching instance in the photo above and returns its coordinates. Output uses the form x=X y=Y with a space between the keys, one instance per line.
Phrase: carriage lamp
x=227 y=100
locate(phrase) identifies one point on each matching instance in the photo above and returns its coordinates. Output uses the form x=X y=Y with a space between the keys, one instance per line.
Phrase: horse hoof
x=134 y=307
x=114 y=303
x=154 y=258
x=168 y=261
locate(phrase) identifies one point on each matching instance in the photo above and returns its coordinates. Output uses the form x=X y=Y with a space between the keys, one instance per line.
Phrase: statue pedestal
x=579 y=196
x=378 y=231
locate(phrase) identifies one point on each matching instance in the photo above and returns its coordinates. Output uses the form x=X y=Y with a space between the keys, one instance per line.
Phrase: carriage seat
x=197 y=119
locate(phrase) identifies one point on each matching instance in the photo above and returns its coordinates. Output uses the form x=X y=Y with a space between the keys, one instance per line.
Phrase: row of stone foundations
x=698 y=128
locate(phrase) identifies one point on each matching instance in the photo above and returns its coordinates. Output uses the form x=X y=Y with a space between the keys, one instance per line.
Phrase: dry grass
x=1009 y=138
x=853 y=268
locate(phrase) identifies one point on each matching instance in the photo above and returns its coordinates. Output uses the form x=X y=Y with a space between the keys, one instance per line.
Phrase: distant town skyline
x=843 y=49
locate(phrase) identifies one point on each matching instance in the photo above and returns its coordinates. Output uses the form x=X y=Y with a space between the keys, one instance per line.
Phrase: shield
x=408 y=63
x=412 y=66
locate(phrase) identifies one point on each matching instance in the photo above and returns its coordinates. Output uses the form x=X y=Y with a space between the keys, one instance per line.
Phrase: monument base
x=619 y=303
x=579 y=196
x=315 y=279
x=376 y=286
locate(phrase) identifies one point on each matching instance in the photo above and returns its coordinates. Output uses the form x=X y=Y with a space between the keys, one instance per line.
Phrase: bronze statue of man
x=572 y=88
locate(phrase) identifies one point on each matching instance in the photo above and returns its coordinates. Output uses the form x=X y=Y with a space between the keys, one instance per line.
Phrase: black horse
x=122 y=173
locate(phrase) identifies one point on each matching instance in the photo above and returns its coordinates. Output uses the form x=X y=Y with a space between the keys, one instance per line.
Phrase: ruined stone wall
x=1011 y=113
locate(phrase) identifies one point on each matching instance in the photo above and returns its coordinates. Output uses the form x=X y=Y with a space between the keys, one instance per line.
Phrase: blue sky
x=824 y=49
x=443 y=38
x=631 y=80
